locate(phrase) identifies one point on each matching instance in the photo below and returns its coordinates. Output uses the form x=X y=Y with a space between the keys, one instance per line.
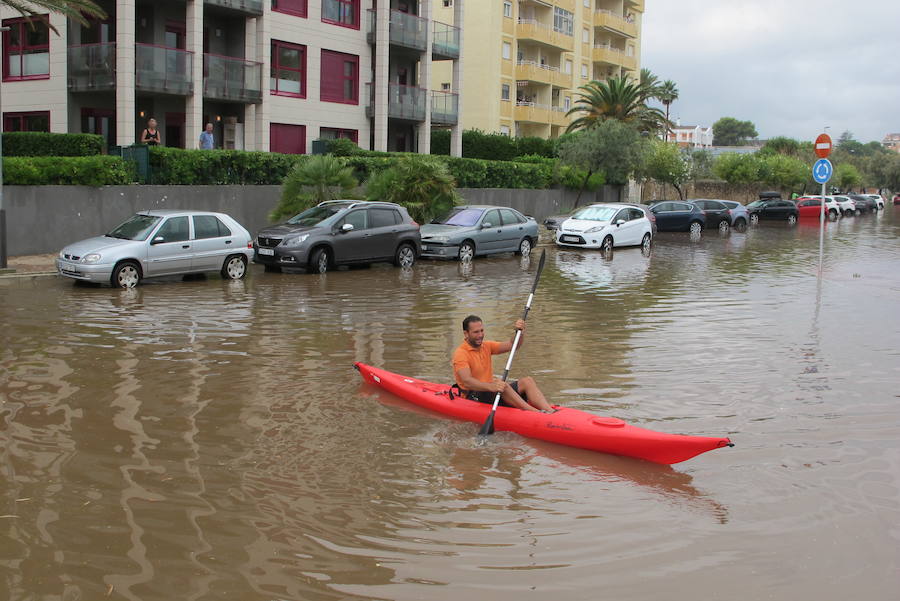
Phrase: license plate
x=424 y=247
x=569 y=238
x=267 y=251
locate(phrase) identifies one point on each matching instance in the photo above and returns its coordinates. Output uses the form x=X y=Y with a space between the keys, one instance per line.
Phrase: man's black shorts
x=483 y=396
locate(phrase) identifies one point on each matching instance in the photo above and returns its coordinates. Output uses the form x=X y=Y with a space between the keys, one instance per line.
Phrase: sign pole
x=822 y=171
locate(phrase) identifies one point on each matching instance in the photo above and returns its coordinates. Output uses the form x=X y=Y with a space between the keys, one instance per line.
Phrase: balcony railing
x=611 y=21
x=444 y=108
x=165 y=70
x=531 y=29
x=404 y=102
x=445 y=43
x=250 y=7
x=406 y=30
x=532 y=112
x=529 y=70
x=230 y=78
x=92 y=67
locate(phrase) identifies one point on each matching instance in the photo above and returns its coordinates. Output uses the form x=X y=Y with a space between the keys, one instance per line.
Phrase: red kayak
x=565 y=426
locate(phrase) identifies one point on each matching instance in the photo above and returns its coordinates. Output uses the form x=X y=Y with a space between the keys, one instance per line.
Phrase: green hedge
x=41 y=144
x=67 y=171
x=175 y=166
x=498 y=147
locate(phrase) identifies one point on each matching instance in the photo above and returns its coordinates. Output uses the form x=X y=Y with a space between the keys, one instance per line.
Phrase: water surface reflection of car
x=157 y=243
x=472 y=230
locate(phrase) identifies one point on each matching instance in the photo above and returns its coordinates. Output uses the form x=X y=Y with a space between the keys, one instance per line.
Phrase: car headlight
x=294 y=242
x=594 y=230
x=439 y=239
x=62 y=255
x=90 y=258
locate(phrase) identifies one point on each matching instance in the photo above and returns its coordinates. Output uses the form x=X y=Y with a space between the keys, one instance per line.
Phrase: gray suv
x=340 y=232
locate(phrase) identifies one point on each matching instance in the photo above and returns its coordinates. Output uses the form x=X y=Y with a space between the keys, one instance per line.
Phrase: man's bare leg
x=528 y=389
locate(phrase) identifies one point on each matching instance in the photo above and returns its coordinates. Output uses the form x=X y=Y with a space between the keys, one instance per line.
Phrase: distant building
x=694 y=137
x=892 y=142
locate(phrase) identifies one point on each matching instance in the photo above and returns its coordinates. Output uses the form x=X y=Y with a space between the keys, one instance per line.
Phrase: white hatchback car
x=847 y=205
x=156 y=243
x=606 y=225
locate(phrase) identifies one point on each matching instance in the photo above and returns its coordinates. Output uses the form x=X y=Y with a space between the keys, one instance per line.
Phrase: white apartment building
x=691 y=136
x=359 y=69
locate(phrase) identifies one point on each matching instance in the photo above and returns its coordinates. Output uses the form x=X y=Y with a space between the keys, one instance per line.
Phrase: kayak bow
x=566 y=426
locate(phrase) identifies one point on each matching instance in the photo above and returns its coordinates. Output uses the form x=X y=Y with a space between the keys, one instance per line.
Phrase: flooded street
x=210 y=439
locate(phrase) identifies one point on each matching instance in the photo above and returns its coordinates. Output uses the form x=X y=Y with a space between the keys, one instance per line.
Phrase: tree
x=613 y=147
x=316 y=179
x=847 y=177
x=667 y=94
x=77 y=10
x=420 y=183
x=667 y=164
x=616 y=98
x=649 y=84
x=728 y=131
x=782 y=171
x=737 y=168
x=781 y=145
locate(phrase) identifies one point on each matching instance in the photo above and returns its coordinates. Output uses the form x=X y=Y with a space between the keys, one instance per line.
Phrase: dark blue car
x=678 y=216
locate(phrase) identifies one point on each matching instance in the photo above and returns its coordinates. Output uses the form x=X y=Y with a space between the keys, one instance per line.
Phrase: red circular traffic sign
x=823 y=146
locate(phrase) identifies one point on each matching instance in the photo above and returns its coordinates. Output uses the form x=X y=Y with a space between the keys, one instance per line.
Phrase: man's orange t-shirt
x=478 y=360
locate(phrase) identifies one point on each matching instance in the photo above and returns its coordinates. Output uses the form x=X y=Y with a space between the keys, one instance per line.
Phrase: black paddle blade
x=487 y=428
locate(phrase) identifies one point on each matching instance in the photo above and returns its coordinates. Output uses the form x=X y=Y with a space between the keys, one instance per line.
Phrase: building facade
x=691 y=136
x=526 y=59
x=358 y=69
x=891 y=142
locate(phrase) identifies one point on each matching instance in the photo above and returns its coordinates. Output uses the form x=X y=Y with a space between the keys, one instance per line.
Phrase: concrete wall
x=43 y=219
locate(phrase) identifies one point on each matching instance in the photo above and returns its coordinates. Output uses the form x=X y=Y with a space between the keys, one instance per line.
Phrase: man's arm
x=505 y=347
x=468 y=382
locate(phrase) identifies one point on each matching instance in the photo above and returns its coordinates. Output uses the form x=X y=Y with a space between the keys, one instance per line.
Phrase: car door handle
x=185 y=246
x=228 y=242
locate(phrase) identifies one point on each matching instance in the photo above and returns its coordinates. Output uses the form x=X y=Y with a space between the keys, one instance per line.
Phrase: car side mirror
x=620 y=222
x=158 y=240
x=486 y=225
x=347 y=227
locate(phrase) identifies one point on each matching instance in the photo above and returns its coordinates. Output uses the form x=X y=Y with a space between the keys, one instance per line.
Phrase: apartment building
x=690 y=136
x=527 y=58
x=359 y=69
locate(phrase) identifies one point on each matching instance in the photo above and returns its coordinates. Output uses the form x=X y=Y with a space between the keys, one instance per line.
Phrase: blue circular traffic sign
x=822 y=171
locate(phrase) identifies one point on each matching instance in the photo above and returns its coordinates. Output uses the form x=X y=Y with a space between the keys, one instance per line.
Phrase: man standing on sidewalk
x=207 y=141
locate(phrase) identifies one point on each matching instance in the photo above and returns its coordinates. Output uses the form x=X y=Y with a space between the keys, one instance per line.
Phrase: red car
x=897 y=199
x=809 y=207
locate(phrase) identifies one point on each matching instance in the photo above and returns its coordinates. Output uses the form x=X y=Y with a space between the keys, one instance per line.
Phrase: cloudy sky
x=791 y=67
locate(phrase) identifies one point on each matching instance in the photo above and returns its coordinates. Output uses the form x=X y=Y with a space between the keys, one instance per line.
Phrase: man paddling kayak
x=474 y=373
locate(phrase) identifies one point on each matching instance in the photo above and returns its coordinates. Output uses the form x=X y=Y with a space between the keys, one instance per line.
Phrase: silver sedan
x=472 y=230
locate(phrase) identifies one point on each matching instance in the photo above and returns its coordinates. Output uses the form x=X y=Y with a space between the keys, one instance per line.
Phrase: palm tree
x=78 y=10
x=667 y=94
x=616 y=98
x=313 y=180
x=649 y=84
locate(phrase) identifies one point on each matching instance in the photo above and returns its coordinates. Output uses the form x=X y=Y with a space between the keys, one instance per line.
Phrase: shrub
x=175 y=166
x=420 y=183
x=440 y=141
x=67 y=171
x=342 y=147
x=42 y=144
x=319 y=178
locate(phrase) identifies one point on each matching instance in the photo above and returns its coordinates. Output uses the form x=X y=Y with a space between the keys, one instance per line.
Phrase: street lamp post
x=2 y=210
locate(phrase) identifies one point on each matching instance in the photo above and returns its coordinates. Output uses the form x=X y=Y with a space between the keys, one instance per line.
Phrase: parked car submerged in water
x=157 y=243
x=773 y=209
x=678 y=216
x=606 y=226
x=468 y=231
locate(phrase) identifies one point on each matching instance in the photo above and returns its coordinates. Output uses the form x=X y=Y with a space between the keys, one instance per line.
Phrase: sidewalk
x=30 y=265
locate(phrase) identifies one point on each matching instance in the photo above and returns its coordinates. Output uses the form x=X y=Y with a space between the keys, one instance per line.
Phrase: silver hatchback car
x=157 y=243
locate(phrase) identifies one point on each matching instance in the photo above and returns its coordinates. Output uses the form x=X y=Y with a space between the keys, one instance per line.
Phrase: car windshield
x=595 y=213
x=316 y=215
x=138 y=227
x=461 y=217
x=756 y=203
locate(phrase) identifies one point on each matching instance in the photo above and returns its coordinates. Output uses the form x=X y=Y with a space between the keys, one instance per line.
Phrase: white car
x=156 y=243
x=606 y=225
x=846 y=204
x=878 y=198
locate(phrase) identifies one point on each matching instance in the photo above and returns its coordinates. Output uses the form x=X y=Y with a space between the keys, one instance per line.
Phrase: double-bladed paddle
x=488 y=427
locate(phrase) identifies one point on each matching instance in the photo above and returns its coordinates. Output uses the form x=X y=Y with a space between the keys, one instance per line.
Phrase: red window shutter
x=287 y=139
x=332 y=76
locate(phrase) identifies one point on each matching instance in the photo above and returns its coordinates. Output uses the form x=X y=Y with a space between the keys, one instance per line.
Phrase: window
x=174 y=230
x=586 y=35
x=584 y=71
x=448 y=3
x=355 y=218
x=587 y=3
x=291 y=7
x=288 y=72
x=26 y=49
x=563 y=21
x=445 y=86
x=383 y=217
x=507 y=50
x=510 y=217
x=340 y=77
x=567 y=103
x=504 y=91
x=507 y=10
x=568 y=67
x=33 y=121
x=341 y=12
x=209 y=226
x=492 y=217
x=288 y=139
x=334 y=133
x=504 y=130
x=101 y=122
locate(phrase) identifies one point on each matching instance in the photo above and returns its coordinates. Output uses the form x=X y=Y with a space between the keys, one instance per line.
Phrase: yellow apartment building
x=524 y=60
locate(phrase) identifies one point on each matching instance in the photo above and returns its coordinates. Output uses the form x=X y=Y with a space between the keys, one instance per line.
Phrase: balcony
x=635 y=4
x=546 y=74
x=407 y=31
x=230 y=78
x=445 y=44
x=247 y=7
x=541 y=33
x=613 y=23
x=558 y=116
x=92 y=67
x=604 y=53
x=164 y=70
x=444 y=108
x=404 y=102
x=531 y=112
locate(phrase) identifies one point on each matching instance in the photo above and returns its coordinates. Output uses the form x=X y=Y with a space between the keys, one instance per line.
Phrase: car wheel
x=647 y=241
x=792 y=219
x=467 y=251
x=272 y=269
x=724 y=226
x=740 y=224
x=607 y=244
x=524 y=247
x=235 y=267
x=696 y=228
x=857 y=212
x=832 y=215
x=405 y=256
x=126 y=274
x=320 y=261
x=754 y=219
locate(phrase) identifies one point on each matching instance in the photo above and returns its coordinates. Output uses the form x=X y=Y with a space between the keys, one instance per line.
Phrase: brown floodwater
x=209 y=439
